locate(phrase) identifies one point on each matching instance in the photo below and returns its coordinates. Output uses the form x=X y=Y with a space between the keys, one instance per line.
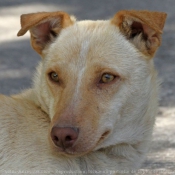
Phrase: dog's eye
x=106 y=78
x=54 y=76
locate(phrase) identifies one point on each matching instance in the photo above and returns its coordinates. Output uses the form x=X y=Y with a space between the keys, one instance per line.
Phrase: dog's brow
x=104 y=66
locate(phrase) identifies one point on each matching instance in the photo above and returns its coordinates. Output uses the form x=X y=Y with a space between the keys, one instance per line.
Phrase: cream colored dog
x=93 y=104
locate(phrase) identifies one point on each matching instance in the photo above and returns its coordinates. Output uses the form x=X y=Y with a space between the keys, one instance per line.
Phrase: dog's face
x=96 y=80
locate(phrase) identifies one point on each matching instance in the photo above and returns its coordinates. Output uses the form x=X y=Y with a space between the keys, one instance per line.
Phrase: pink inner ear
x=42 y=32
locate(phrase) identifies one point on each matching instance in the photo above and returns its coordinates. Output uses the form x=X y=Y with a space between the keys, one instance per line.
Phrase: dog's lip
x=71 y=153
x=103 y=136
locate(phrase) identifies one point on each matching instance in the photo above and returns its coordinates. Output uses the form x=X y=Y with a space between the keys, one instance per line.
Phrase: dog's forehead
x=91 y=41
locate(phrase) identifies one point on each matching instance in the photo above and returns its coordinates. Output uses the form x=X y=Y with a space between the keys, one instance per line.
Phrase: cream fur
x=129 y=115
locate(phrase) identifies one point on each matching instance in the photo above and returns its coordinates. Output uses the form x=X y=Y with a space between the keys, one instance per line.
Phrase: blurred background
x=18 y=60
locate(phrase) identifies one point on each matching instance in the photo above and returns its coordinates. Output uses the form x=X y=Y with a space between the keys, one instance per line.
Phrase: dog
x=94 y=99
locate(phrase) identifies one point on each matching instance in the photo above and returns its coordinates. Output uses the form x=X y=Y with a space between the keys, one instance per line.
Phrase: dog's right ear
x=141 y=28
x=44 y=27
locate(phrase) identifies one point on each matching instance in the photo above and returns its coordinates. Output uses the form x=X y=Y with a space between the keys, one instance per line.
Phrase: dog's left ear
x=44 y=27
x=142 y=28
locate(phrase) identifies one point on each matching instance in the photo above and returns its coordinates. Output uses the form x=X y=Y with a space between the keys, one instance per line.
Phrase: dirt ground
x=18 y=62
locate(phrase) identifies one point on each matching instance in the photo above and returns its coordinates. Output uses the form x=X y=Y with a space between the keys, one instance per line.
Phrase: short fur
x=115 y=119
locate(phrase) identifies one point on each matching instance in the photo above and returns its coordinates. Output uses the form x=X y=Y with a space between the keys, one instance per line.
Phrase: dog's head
x=96 y=79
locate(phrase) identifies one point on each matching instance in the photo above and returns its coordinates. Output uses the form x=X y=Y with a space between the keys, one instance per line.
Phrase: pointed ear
x=142 y=28
x=44 y=27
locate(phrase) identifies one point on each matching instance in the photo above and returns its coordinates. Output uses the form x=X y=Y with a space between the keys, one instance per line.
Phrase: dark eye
x=106 y=78
x=54 y=76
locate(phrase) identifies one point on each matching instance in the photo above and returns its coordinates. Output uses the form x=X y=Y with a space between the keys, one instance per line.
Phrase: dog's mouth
x=104 y=135
x=77 y=149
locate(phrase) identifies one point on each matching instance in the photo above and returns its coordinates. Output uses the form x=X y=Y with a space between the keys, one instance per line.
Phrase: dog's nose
x=64 y=137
